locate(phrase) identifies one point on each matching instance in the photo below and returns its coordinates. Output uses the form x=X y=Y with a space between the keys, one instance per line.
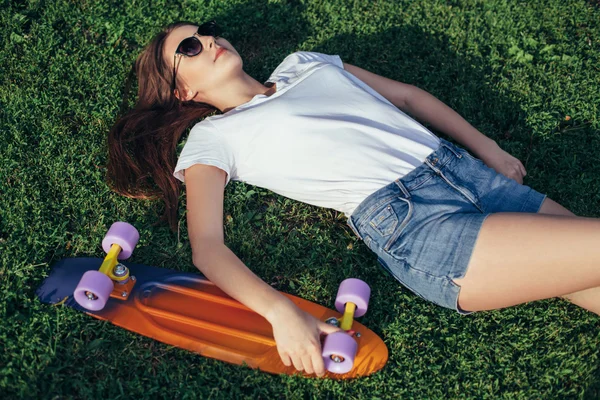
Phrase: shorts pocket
x=403 y=209
x=384 y=221
x=387 y=222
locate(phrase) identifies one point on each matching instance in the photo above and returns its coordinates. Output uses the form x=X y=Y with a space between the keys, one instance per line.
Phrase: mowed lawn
x=525 y=73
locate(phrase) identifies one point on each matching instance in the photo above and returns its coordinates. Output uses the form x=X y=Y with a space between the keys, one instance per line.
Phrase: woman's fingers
x=285 y=358
x=297 y=363
x=523 y=169
x=307 y=362
x=317 y=363
x=326 y=328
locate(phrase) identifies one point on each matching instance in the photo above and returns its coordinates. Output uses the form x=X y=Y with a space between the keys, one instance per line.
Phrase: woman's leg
x=589 y=298
x=522 y=257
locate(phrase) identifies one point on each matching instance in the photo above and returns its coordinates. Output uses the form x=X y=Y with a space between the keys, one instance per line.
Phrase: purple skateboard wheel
x=339 y=350
x=98 y=286
x=355 y=291
x=123 y=234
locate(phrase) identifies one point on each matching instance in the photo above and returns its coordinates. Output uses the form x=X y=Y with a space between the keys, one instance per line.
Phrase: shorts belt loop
x=449 y=146
x=403 y=188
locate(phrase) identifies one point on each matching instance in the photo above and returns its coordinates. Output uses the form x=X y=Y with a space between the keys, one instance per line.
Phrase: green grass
x=514 y=70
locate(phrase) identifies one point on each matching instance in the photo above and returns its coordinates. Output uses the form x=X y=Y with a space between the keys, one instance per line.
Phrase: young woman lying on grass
x=457 y=229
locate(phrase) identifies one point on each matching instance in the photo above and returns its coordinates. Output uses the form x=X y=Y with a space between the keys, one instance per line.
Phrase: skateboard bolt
x=120 y=270
x=90 y=295
x=332 y=321
x=124 y=294
x=337 y=359
x=357 y=334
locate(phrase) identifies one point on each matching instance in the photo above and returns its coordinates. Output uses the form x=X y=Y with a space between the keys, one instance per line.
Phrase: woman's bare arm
x=205 y=190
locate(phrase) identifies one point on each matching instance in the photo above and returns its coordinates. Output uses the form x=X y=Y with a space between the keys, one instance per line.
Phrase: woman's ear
x=187 y=95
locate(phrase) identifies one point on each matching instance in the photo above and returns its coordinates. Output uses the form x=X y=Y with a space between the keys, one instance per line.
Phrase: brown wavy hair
x=142 y=143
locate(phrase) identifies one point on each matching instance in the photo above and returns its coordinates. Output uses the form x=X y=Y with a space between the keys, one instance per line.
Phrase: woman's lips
x=219 y=52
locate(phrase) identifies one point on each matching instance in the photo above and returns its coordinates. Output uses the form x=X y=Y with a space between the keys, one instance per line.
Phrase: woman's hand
x=297 y=334
x=494 y=157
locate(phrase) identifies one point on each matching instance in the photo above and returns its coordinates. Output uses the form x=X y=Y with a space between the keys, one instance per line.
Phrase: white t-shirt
x=324 y=137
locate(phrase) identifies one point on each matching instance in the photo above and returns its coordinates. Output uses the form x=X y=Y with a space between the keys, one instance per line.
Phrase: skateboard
x=186 y=310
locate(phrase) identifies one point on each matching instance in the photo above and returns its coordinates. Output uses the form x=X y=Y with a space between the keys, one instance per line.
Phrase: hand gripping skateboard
x=188 y=311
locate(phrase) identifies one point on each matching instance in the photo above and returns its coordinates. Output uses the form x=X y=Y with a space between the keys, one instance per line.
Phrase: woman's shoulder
x=303 y=58
x=307 y=57
x=203 y=127
x=298 y=62
x=203 y=132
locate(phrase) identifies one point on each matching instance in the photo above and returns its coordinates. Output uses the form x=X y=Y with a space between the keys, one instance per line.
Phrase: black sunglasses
x=192 y=46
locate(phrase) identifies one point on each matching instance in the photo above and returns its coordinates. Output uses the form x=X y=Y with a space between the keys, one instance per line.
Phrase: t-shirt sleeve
x=205 y=145
x=295 y=64
x=305 y=57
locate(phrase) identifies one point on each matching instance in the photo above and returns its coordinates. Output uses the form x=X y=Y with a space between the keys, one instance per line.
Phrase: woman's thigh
x=519 y=258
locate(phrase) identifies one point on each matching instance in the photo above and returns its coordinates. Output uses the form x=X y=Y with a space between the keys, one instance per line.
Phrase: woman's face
x=201 y=75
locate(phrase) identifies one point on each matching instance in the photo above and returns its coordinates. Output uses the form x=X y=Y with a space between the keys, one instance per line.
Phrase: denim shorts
x=423 y=226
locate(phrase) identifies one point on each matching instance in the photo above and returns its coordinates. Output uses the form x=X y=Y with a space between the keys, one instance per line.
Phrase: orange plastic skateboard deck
x=188 y=311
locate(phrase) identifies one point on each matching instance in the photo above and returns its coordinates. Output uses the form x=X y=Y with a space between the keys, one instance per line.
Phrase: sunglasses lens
x=190 y=46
